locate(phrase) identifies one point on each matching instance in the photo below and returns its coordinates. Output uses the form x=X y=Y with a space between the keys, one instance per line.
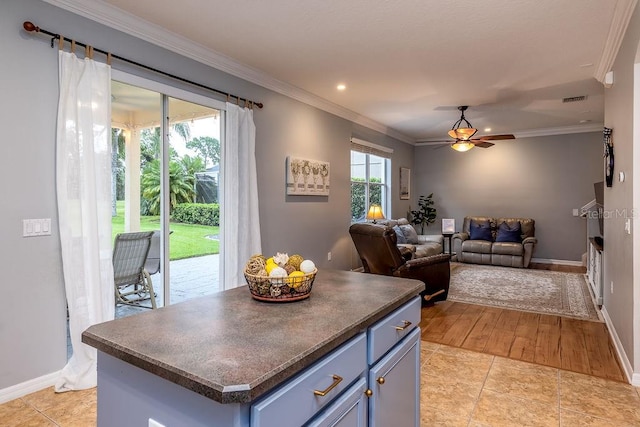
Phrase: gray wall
x=543 y=178
x=623 y=302
x=32 y=320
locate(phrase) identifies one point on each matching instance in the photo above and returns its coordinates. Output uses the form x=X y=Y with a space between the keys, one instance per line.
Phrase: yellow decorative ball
x=292 y=279
x=270 y=266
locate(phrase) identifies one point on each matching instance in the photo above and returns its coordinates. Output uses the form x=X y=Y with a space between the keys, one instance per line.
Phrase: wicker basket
x=280 y=289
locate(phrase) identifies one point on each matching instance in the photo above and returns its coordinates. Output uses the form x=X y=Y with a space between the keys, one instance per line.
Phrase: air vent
x=574 y=99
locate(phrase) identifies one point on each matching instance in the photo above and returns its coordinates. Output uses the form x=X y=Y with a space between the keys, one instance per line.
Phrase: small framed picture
x=448 y=225
x=405 y=183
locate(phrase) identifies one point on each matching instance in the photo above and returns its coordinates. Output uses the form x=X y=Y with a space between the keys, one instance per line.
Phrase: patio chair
x=152 y=265
x=132 y=281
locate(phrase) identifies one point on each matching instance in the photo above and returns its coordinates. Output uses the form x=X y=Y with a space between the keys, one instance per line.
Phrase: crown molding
x=122 y=21
x=561 y=130
x=619 y=23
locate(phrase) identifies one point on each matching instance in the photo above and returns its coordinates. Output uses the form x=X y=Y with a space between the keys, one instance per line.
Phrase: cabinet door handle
x=405 y=325
x=336 y=380
x=380 y=380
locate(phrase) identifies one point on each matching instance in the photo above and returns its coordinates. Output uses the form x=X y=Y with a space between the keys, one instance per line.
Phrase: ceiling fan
x=463 y=136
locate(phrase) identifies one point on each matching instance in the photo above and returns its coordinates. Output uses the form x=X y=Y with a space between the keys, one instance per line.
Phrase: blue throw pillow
x=508 y=233
x=480 y=231
x=399 y=235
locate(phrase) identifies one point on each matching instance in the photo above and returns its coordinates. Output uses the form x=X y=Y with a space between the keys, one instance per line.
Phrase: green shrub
x=197 y=213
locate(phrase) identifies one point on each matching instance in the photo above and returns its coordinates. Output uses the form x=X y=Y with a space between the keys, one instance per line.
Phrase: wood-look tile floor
x=560 y=342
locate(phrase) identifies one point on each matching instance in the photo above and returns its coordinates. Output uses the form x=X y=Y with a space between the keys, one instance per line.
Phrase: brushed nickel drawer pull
x=406 y=324
x=336 y=380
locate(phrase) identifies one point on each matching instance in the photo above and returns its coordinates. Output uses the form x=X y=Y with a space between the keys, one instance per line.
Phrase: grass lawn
x=186 y=241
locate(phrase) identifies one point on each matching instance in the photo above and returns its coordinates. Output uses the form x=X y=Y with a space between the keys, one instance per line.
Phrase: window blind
x=367 y=147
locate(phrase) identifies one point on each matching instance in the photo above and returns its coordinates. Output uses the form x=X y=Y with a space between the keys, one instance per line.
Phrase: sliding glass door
x=166 y=173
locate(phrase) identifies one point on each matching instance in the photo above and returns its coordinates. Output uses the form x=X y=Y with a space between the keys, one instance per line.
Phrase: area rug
x=538 y=291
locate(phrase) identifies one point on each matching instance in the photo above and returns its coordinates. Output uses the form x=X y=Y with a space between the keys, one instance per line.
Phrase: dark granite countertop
x=231 y=348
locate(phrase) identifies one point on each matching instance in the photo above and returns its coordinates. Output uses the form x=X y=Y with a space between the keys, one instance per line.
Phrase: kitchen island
x=206 y=361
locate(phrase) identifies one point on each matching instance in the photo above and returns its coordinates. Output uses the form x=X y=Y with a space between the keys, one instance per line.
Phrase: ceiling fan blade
x=496 y=137
x=483 y=144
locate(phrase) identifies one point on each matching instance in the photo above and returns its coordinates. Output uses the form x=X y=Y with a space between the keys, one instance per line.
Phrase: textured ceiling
x=408 y=64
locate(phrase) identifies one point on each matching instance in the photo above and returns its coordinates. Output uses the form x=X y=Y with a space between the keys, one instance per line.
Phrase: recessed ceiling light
x=341 y=86
x=487 y=129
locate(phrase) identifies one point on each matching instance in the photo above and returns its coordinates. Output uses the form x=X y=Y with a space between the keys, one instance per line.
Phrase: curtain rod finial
x=29 y=26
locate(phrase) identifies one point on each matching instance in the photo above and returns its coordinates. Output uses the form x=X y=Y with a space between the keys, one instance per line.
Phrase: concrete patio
x=190 y=278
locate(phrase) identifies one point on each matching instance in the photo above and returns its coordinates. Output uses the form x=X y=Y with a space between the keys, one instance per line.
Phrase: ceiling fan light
x=462 y=146
x=462 y=133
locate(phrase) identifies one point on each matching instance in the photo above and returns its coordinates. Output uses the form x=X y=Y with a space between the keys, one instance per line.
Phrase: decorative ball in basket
x=280 y=278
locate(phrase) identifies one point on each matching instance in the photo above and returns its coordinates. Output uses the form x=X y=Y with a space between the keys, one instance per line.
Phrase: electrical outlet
x=154 y=423
x=612 y=286
x=328 y=256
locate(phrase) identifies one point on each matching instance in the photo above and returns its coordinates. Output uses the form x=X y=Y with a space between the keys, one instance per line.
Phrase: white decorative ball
x=278 y=272
x=307 y=266
x=277 y=275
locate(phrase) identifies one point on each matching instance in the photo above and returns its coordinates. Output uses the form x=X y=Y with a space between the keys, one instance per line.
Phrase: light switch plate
x=36 y=227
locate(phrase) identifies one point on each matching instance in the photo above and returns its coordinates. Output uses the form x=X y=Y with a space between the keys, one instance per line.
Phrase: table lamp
x=375 y=212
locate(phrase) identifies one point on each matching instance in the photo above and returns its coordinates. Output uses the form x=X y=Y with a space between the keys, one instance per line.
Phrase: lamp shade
x=462 y=146
x=375 y=212
x=462 y=133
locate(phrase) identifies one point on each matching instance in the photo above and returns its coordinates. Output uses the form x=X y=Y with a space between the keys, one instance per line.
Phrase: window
x=369 y=178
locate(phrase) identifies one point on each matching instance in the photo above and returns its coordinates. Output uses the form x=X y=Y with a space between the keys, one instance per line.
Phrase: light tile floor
x=458 y=388
x=465 y=388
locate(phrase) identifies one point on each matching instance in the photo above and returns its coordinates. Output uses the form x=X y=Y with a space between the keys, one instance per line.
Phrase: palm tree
x=117 y=168
x=183 y=129
x=181 y=186
x=150 y=142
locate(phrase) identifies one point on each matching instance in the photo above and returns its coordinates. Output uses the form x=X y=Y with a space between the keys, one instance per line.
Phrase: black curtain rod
x=30 y=27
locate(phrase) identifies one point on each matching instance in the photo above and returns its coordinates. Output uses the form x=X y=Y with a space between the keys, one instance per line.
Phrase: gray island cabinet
x=346 y=356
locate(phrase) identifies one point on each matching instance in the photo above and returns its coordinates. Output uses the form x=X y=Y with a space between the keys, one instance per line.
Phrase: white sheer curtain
x=240 y=213
x=83 y=168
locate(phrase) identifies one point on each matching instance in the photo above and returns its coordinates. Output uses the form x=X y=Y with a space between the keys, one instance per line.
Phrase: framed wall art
x=405 y=183
x=306 y=177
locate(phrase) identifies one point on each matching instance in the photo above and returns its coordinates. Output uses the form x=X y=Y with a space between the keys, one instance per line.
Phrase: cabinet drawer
x=390 y=330
x=295 y=402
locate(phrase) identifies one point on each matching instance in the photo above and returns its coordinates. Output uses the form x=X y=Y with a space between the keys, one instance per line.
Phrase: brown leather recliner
x=379 y=253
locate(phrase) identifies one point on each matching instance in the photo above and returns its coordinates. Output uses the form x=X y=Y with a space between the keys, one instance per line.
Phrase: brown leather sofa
x=491 y=250
x=379 y=253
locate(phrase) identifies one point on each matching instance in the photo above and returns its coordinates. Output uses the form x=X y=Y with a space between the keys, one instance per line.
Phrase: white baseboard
x=634 y=379
x=557 y=261
x=22 y=389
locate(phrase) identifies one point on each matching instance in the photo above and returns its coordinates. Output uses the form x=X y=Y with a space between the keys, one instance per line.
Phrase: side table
x=448 y=236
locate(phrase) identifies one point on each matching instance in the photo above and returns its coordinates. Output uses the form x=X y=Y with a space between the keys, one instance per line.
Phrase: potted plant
x=426 y=214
